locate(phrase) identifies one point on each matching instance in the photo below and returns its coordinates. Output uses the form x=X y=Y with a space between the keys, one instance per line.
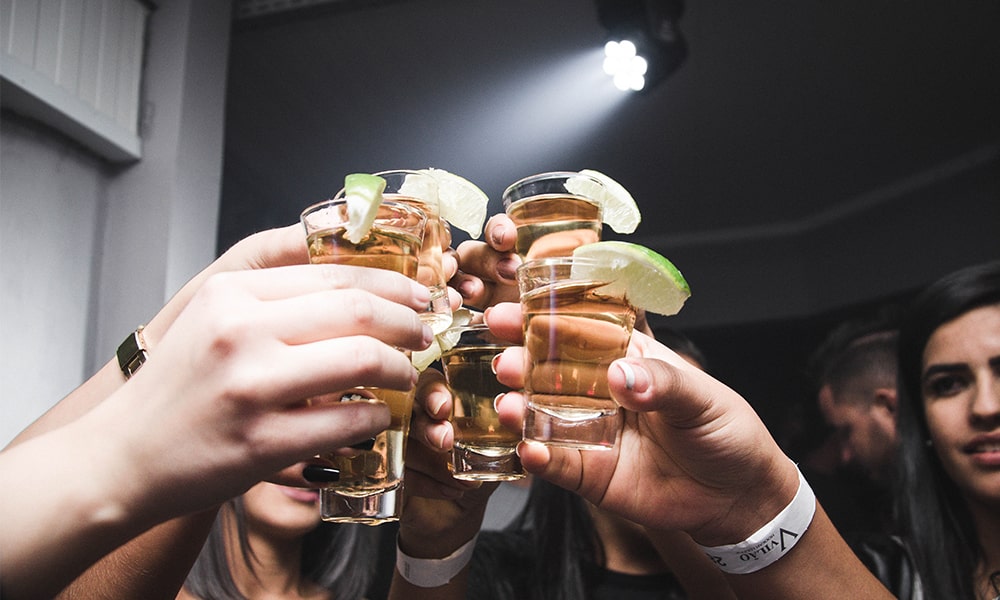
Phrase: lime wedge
x=363 y=194
x=650 y=281
x=443 y=341
x=621 y=213
x=421 y=186
x=462 y=203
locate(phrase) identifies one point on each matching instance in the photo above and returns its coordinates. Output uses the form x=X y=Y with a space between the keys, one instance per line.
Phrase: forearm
x=108 y=378
x=434 y=546
x=48 y=539
x=278 y=247
x=699 y=577
x=821 y=565
x=153 y=565
x=407 y=588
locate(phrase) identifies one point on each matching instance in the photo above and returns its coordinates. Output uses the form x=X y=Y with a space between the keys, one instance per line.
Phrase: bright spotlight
x=626 y=68
x=645 y=44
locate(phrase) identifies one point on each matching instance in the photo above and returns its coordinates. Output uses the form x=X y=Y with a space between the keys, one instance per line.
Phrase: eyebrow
x=933 y=370
x=944 y=368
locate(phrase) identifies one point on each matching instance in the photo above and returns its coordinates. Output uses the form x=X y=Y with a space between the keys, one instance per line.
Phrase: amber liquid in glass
x=431 y=270
x=554 y=224
x=372 y=471
x=486 y=449
x=572 y=334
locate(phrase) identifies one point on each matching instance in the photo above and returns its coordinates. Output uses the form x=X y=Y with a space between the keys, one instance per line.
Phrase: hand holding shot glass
x=370 y=479
x=579 y=312
x=392 y=220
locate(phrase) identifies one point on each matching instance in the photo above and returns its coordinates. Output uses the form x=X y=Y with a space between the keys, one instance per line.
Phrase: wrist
x=764 y=496
x=434 y=572
x=771 y=541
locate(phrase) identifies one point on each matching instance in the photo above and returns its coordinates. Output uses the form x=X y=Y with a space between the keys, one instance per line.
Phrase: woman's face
x=961 y=389
x=281 y=511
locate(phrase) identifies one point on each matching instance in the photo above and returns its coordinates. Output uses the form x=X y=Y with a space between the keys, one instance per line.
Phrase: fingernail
x=466 y=289
x=365 y=445
x=435 y=402
x=496 y=400
x=428 y=335
x=441 y=439
x=320 y=474
x=493 y=363
x=636 y=378
x=507 y=268
x=497 y=236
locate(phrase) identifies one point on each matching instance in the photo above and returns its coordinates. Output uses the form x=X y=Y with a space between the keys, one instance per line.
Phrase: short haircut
x=859 y=354
x=867 y=363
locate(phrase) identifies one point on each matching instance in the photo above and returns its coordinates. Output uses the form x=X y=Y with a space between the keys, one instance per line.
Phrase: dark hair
x=835 y=359
x=866 y=363
x=556 y=525
x=339 y=558
x=930 y=507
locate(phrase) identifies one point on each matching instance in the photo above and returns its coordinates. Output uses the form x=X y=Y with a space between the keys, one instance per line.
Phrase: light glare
x=624 y=66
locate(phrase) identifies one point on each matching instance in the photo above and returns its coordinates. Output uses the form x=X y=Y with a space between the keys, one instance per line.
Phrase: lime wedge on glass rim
x=650 y=281
x=460 y=201
x=363 y=194
x=619 y=209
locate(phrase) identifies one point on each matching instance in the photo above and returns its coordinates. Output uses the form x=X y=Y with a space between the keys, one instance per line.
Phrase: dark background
x=807 y=162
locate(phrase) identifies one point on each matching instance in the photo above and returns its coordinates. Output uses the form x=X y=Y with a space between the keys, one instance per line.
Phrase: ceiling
x=784 y=113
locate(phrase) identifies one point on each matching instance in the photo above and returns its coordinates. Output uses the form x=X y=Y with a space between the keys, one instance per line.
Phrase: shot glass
x=484 y=449
x=421 y=191
x=551 y=220
x=376 y=467
x=573 y=330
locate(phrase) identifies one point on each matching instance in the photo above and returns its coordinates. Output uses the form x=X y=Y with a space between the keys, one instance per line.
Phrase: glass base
x=469 y=465
x=597 y=432
x=376 y=509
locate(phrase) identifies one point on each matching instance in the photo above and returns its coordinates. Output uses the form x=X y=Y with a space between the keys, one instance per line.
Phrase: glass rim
x=404 y=173
x=557 y=261
x=467 y=327
x=506 y=201
x=338 y=201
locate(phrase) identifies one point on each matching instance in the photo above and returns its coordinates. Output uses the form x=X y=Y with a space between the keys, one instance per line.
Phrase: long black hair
x=339 y=558
x=550 y=551
x=930 y=507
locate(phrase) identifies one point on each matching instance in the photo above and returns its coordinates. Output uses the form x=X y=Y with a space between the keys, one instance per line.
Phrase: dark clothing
x=888 y=559
x=502 y=568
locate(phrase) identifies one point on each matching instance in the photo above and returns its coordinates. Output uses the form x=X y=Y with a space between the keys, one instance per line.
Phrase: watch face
x=132 y=353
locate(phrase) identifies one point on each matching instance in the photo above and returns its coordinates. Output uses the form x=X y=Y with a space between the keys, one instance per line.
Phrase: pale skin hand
x=158 y=561
x=694 y=445
x=220 y=407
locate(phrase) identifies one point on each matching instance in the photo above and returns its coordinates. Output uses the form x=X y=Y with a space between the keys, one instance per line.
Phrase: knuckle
x=361 y=308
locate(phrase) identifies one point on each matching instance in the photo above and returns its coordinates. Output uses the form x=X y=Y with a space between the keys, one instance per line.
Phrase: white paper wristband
x=434 y=572
x=770 y=542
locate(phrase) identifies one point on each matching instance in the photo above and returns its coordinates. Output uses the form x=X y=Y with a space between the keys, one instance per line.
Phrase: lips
x=984 y=450
x=301 y=494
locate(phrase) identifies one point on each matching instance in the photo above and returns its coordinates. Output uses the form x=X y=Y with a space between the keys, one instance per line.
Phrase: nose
x=986 y=399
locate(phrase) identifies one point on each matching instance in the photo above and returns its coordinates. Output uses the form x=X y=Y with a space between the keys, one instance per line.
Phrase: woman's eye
x=945 y=385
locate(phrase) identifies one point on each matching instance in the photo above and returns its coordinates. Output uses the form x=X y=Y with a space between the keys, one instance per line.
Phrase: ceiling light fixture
x=645 y=44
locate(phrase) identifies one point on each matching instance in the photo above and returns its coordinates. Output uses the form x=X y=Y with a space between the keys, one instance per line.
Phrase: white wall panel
x=77 y=66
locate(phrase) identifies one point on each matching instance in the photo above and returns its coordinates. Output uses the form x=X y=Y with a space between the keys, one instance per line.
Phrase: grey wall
x=90 y=250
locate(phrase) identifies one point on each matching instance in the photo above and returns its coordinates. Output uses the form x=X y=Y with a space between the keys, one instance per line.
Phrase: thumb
x=683 y=395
